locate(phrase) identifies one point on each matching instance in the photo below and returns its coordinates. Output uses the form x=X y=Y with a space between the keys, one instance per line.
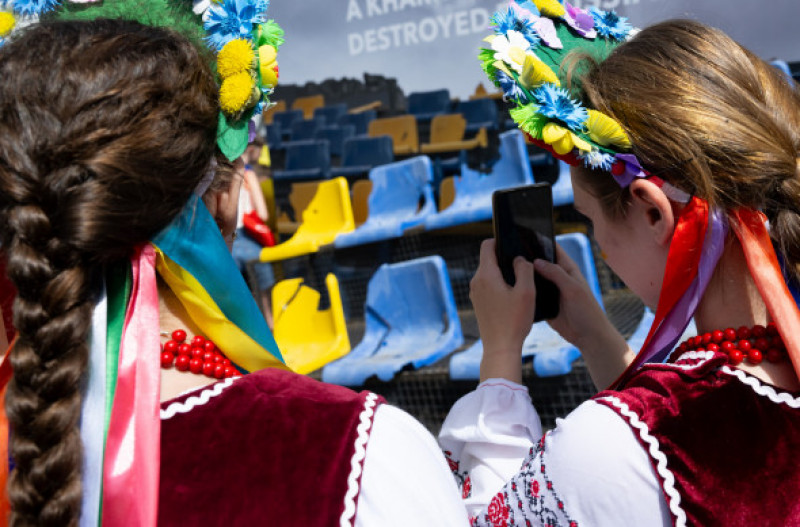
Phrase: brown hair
x=708 y=116
x=106 y=127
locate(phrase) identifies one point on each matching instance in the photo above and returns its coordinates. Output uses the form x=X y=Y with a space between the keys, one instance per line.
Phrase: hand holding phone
x=523 y=226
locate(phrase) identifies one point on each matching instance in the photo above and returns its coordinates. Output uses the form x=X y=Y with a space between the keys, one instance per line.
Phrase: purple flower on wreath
x=580 y=20
x=233 y=19
x=34 y=7
x=555 y=103
x=510 y=21
x=609 y=24
x=511 y=89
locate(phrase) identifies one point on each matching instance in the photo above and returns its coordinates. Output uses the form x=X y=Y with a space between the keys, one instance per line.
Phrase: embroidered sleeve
x=530 y=498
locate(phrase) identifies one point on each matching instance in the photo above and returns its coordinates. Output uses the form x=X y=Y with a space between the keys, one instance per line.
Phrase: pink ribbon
x=131 y=471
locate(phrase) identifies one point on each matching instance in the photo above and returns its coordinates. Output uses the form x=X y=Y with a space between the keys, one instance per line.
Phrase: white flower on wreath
x=511 y=49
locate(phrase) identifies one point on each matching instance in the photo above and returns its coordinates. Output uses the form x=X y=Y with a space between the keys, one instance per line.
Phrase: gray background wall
x=430 y=44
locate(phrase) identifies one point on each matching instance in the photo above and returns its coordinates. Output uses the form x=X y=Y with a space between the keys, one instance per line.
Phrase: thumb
x=553 y=272
x=523 y=272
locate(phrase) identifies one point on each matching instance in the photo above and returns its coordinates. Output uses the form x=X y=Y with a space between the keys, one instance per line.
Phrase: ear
x=654 y=209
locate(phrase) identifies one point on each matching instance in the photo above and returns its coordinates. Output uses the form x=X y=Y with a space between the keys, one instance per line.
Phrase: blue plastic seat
x=336 y=136
x=305 y=161
x=287 y=119
x=359 y=120
x=473 y=190
x=274 y=135
x=411 y=319
x=562 y=188
x=479 y=113
x=305 y=130
x=394 y=202
x=331 y=113
x=427 y=105
x=552 y=355
x=361 y=154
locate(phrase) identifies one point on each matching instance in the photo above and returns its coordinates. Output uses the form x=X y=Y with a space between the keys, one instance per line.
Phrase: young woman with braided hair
x=684 y=148
x=108 y=132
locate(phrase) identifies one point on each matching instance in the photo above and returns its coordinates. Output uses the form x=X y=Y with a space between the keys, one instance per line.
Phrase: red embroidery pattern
x=528 y=499
x=462 y=477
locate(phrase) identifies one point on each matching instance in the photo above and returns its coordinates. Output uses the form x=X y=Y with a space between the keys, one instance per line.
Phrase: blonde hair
x=707 y=115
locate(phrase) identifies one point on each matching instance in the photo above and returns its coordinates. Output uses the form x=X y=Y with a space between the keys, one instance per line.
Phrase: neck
x=173 y=316
x=732 y=300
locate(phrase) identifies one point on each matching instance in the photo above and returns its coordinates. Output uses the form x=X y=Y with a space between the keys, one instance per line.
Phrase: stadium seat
x=479 y=113
x=411 y=320
x=287 y=119
x=402 y=130
x=307 y=105
x=274 y=135
x=306 y=129
x=328 y=214
x=562 y=188
x=305 y=161
x=336 y=136
x=292 y=204
x=361 y=154
x=359 y=120
x=447 y=136
x=473 y=190
x=269 y=113
x=331 y=113
x=426 y=105
x=296 y=309
x=398 y=189
x=359 y=196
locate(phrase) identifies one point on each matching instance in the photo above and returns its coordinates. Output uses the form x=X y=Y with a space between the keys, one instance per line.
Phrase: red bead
x=717 y=336
x=701 y=348
x=182 y=363
x=777 y=342
x=229 y=371
x=179 y=335
x=727 y=346
x=166 y=359
x=209 y=346
x=772 y=329
x=759 y=331
x=219 y=371
x=208 y=369
x=226 y=362
x=618 y=168
x=774 y=355
x=754 y=356
x=198 y=341
x=217 y=358
x=706 y=338
x=730 y=334
x=761 y=343
x=736 y=356
x=171 y=346
x=195 y=365
x=208 y=356
x=743 y=345
x=743 y=332
x=184 y=349
x=713 y=347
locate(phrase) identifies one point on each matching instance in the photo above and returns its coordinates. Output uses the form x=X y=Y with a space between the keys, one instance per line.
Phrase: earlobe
x=656 y=208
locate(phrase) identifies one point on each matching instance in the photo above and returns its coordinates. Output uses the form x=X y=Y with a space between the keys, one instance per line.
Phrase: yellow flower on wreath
x=268 y=65
x=7 y=23
x=535 y=73
x=550 y=8
x=235 y=92
x=605 y=131
x=236 y=56
x=563 y=140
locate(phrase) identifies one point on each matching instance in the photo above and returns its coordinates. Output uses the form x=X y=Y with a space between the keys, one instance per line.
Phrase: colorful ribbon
x=750 y=228
x=130 y=478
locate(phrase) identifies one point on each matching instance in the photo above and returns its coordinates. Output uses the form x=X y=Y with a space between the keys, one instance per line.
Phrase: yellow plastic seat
x=447 y=135
x=329 y=214
x=308 y=105
x=269 y=113
x=403 y=131
x=307 y=337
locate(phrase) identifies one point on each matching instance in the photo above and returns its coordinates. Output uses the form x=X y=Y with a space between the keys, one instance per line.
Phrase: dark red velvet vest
x=725 y=446
x=271 y=448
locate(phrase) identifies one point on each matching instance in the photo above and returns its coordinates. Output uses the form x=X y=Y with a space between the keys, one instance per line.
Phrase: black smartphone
x=523 y=226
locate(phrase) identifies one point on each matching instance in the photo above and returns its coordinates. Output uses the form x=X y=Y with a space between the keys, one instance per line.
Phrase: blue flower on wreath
x=555 y=103
x=34 y=7
x=597 y=159
x=233 y=19
x=511 y=89
x=509 y=21
x=609 y=24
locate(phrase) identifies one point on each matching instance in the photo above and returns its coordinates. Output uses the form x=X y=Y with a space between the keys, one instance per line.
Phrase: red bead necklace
x=200 y=356
x=754 y=344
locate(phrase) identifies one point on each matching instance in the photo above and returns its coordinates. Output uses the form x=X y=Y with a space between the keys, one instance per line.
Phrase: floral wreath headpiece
x=243 y=40
x=531 y=39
